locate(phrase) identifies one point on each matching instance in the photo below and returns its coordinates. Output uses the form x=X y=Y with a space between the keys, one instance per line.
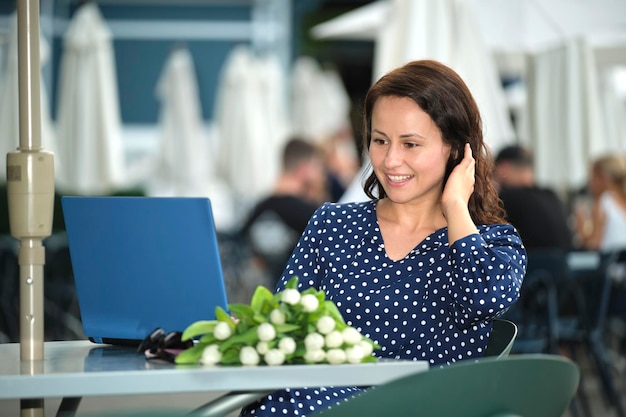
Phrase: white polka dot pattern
x=435 y=304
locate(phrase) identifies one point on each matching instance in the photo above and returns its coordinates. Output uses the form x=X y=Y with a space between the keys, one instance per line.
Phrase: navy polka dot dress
x=435 y=304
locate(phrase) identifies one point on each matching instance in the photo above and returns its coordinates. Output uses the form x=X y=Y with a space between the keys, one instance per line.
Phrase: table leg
x=68 y=407
x=32 y=407
x=228 y=403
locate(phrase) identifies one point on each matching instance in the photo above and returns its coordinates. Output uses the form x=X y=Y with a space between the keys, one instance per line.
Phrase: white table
x=75 y=369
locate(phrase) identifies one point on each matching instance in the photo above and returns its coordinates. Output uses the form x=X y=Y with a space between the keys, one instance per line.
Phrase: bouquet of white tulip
x=288 y=327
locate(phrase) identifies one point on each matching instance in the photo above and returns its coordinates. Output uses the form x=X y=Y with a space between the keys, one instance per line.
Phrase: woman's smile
x=395 y=180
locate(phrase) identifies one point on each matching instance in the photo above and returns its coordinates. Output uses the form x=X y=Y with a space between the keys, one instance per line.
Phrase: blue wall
x=139 y=62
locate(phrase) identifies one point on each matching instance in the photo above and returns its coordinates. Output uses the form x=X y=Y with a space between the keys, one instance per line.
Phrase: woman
x=425 y=265
x=605 y=229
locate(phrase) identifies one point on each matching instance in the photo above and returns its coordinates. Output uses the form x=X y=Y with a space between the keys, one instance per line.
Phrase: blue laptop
x=143 y=262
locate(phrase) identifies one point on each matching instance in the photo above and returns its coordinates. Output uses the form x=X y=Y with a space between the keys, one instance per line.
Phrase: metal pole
x=30 y=191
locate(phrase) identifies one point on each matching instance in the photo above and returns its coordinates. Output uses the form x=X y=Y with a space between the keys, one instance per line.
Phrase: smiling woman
x=424 y=268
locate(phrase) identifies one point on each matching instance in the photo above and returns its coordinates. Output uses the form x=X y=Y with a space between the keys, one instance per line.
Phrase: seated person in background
x=276 y=223
x=428 y=261
x=537 y=213
x=605 y=228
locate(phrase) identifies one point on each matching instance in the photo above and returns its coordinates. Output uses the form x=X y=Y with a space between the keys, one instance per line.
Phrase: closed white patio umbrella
x=320 y=105
x=183 y=159
x=565 y=121
x=251 y=122
x=183 y=164
x=88 y=121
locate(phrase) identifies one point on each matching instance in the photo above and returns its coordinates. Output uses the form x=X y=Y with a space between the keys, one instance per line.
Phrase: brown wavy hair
x=441 y=93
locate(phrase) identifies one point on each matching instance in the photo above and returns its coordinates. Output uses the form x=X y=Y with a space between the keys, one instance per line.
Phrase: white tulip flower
x=249 y=356
x=266 y=332
x=366 y=347
x=274 y=357
x=354 y=354
x=277 y=317
x=336 y=356
x=333 y=339
x=309 y=302
x=262 y=348
x=314 y=341
x=222 y=331
x=290 y=296
x=211 y=355
x=325 y=324
x=351 y=335
x=314 y=356
x=287 y=345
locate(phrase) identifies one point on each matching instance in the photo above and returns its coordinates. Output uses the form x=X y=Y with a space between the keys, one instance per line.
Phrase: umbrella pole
x=30 y=192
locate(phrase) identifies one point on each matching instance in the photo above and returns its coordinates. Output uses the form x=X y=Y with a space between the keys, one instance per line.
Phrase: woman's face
x=598 y=182
x=407 y=151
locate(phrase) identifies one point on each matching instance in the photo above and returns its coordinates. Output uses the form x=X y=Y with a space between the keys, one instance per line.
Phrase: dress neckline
x=428 y=243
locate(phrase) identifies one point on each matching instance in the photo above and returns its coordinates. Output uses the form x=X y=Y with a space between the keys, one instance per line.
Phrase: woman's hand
x=460 y=184
x=456 y=195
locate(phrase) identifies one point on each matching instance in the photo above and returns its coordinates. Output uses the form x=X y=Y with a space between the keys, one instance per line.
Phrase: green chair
x=534 y=385
x=501 y=338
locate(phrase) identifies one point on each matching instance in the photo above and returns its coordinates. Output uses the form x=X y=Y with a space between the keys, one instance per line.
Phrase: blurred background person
x=603 y=227
x=275 y=224
x=342 y=161
x=537 y=213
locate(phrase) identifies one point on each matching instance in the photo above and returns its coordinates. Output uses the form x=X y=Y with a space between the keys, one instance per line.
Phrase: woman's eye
x=379 y=141
x=411 y=145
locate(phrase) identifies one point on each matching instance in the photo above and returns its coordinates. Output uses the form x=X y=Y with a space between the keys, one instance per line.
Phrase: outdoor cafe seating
x=566 y=300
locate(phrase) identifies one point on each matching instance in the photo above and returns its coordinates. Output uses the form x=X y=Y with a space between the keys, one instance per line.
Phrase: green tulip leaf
x=261 y=296
x=222 y=315
x=248 y=338
x=242 y=311
x=198 y=328
x=333 y=312
x=190 y=356
x=286 y=328
x=292 y=283
x=230 y=357
x=207 y=339
x=259 y=318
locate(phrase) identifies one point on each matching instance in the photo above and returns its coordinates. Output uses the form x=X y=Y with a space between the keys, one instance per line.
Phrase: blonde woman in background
x=605 y=228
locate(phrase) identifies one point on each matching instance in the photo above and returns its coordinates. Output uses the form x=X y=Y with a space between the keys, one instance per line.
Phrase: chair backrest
x=535 y=385
x=501 y=339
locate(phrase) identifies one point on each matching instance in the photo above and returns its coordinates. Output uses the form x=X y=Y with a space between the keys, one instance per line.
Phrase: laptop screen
x=143 y=262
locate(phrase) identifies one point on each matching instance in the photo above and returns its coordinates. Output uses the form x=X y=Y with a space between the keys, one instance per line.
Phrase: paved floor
x=591 y=386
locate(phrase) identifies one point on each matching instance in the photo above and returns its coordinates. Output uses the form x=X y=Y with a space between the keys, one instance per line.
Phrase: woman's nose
x=393 y=158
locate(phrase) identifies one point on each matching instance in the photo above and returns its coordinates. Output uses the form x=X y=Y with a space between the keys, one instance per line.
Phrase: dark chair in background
x=536 y=312
x=61 y=313
x=9 y=289
x=563 y=307
x=594 y=275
